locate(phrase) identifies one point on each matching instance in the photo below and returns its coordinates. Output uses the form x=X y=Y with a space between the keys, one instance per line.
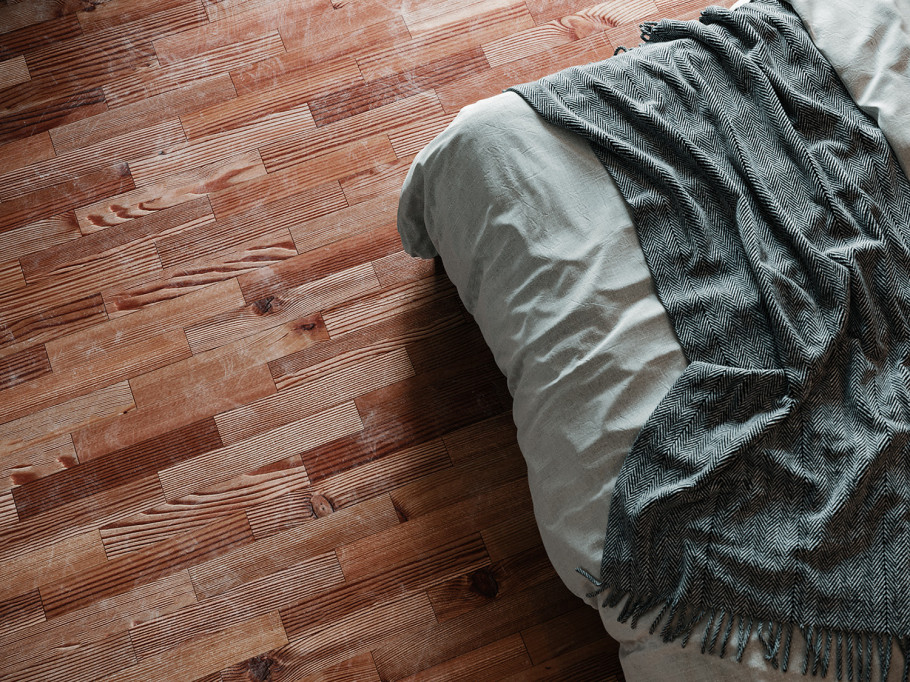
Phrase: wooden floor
x=243 y=436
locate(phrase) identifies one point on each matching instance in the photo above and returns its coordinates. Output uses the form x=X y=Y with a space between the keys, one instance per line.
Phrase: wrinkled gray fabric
x=770 y=488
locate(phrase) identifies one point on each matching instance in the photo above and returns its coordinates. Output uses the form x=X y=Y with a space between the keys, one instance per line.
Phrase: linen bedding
x=542 y=248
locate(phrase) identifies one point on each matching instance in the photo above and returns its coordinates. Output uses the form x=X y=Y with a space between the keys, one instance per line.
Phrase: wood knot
x=263 y=305
x=321 y=506
x=483 y=582
x=260 y=668
x=305 y=326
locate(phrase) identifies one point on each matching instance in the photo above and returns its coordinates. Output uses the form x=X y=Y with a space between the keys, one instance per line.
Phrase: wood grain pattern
x=23 y=366
x=13 y=71
x=492 y=662
x=43 y=203
x=211 y=652
x=238 y=494
x=147 y=228
x=20 y=612
x=113 y=122
x=256 y=221
x=285 y=441
x=144 y=566
x=41 y=234
x=117 y=468
x=25 y=151
x=17 y=41
x=25 y=117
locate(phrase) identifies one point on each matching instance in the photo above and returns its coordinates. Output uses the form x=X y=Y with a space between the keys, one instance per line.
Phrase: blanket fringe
x=848 y=655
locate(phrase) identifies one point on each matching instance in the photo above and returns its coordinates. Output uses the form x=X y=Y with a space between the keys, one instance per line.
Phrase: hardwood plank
x=176 y=189
x=410 y=139
x=114 y=13
x=72 y=165
x=122 y=574
x=281 y=514
x=384 y=476
x=252 y=106
x=470 y=591
x=400 y=268
x=182 y=378
x=23 y=366
x=13 y=71
x=546 y=10
x=209 y=653
x=446 y=40
x=43 y=203
x=20 y=612
x=395 y=658
x=491 y=662
x=306 y=398
x=90 y=59
x=8 y=515
x=312 y=266
x=295 y=66
x=260 y=219
x=103 y=370
x=464 y=480
x=427 y=561
x=356 y=99
x=454 y=96
x=155 y=79
x=115 y=469
x=11 y=276
x=180 y=280
x=598 y=660
x=343 y=161
x=118 y=335
x=34 y=106
x=346 y=222
x=50 y=323
x=102 y=619
x=294 y=438
x=338 y=22
x=23 y=436
x=295 y=584
x=41 y=234
x=512 y=536
x=113 y=122
x=586 y=22
x=279 y=552
x=358 y=668
x=287 y=306
x=219 y=10
x=144 y=229
x=379 y=180
x=77 y=663
x=53 y=561
x=424 y=321
x=15 y=42
x=299 y=147
x=236 y=495
x=15 y=16
x=384 y=304
x=25 y=151
x=42 y=460
x=429 y=16
x=563 y=634
x=332 y=644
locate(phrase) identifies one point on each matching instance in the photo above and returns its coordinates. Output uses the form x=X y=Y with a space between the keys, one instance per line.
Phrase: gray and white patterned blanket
x=770 y=489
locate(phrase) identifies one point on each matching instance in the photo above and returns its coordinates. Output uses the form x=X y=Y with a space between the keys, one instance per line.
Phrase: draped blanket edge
x=769 y=492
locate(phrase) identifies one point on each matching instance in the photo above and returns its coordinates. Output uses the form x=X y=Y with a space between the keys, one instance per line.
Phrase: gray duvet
x=517 y=211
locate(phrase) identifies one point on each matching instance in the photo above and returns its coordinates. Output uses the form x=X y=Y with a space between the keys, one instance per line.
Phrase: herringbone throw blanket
x=769 y=492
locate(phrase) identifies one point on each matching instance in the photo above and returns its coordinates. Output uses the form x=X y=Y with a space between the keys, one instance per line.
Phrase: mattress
x=542 y=250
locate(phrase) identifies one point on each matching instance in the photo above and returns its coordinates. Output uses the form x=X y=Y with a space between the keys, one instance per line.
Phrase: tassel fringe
x=847 y=655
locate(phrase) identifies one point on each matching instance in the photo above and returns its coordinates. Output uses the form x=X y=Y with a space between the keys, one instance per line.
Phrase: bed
x=543 y=248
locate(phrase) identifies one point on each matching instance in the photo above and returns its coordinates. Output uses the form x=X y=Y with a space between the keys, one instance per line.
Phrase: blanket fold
x=770 y=489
